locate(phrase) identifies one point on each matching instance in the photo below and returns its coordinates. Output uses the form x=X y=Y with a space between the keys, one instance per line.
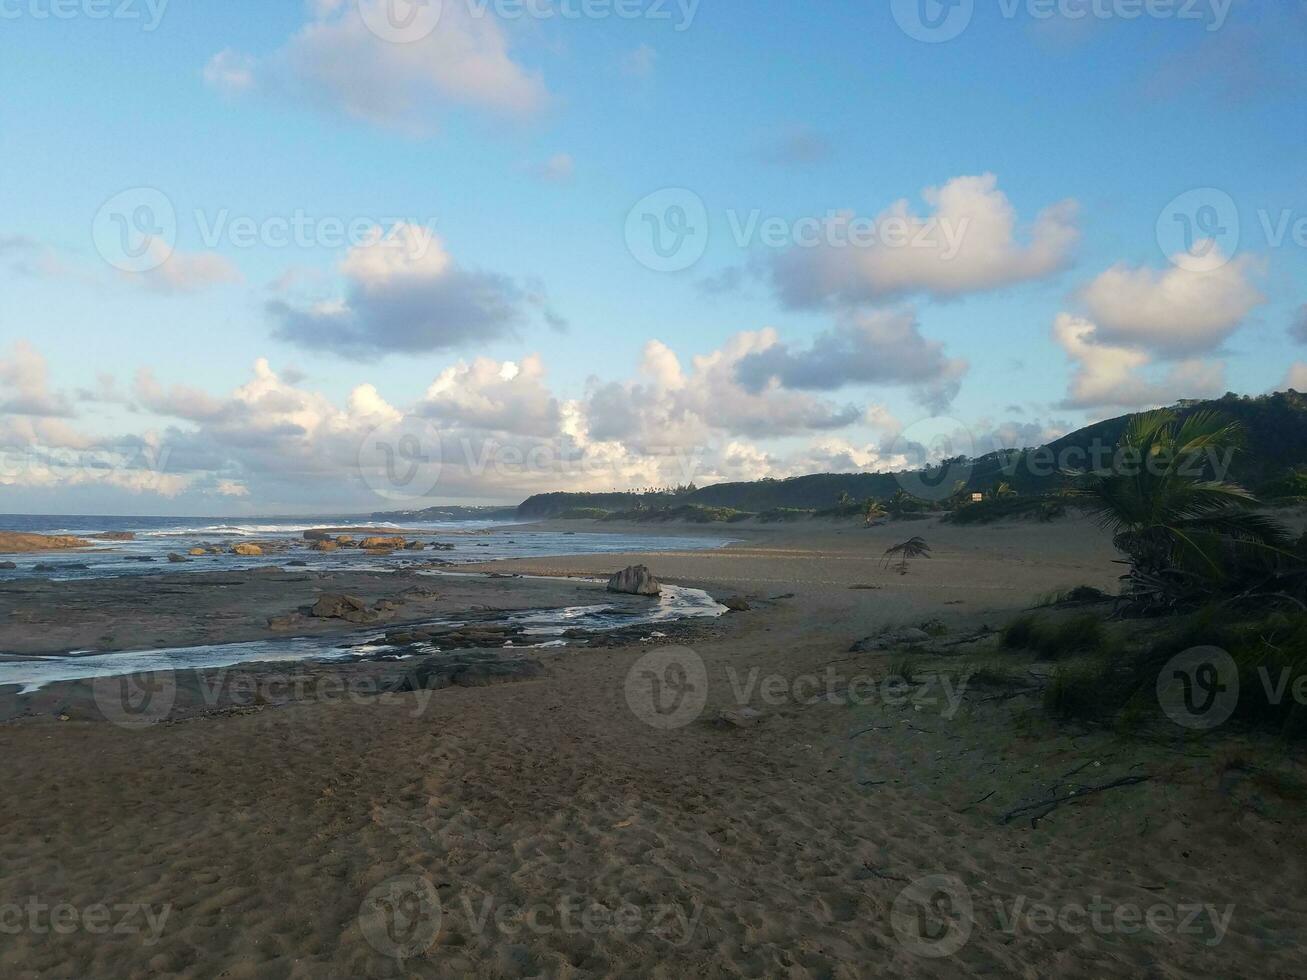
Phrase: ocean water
x=156 y=537
x=473 y=541
x=543 y=628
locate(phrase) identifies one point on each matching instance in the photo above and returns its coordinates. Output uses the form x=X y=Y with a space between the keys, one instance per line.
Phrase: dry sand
x=565 y=835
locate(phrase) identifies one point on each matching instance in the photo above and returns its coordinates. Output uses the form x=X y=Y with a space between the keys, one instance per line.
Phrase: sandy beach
x=796 y=809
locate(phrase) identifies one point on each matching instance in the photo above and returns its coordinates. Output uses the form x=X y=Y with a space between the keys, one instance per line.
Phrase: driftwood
x=1037 y=811
x=976 y=803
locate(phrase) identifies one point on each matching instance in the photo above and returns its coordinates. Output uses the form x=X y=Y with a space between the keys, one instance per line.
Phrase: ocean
x=157 y=537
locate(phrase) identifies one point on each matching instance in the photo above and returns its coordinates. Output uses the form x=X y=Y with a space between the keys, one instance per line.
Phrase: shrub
x=1053 y=641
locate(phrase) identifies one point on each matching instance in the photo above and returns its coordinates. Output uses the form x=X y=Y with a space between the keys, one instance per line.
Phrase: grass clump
x=1100 y=679
x=1055 y=640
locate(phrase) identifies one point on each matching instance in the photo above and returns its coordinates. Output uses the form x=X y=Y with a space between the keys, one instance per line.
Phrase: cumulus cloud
x=881 y=347
x=25 y=385
x=668 y=405
x=501 y=434
x=971 y=242
x=345 y=59
x=29 y=257
x=185 y=272
x=1176 y=312
x=1108 y=376
x=507 y=397
x=404 y=293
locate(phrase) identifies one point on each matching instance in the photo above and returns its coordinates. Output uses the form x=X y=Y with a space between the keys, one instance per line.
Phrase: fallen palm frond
x=912 y=548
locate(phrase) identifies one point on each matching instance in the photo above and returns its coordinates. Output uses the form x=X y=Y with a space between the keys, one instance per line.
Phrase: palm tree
x=872 y=511
x=1181 y=532
x=912 y=548
x=1004 y=489
x=901 y=503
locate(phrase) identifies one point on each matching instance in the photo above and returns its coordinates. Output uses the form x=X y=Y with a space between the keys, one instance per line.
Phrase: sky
x=346 y=255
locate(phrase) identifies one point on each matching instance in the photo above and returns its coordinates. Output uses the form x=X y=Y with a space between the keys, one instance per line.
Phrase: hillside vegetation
x=1273 y=464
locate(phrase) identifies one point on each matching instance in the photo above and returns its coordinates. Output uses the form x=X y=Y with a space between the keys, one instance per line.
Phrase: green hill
x=1275 y=427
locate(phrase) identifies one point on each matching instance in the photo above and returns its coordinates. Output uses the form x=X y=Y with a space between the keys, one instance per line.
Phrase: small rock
x=742 y=717
x=736 y=604
x=177 y=559
x=247 y=550
x=8 y=565
x=198 y=551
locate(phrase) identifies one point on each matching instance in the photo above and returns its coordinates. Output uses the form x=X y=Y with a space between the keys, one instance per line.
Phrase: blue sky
x=524 y=142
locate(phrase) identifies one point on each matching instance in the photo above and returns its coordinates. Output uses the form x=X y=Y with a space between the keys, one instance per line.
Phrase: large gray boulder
x=635 y=580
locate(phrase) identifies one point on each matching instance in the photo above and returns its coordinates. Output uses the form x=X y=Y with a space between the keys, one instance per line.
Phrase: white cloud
x=1296 y=378
x=882 y=347
x=404 y=293
x=970 y=243
x=185 y=272
x=668 y=406
x=336 y=60
x=25 y=385
x=506 y=397
x=1108 y=376
x=230 y=71
x=1177 y=311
